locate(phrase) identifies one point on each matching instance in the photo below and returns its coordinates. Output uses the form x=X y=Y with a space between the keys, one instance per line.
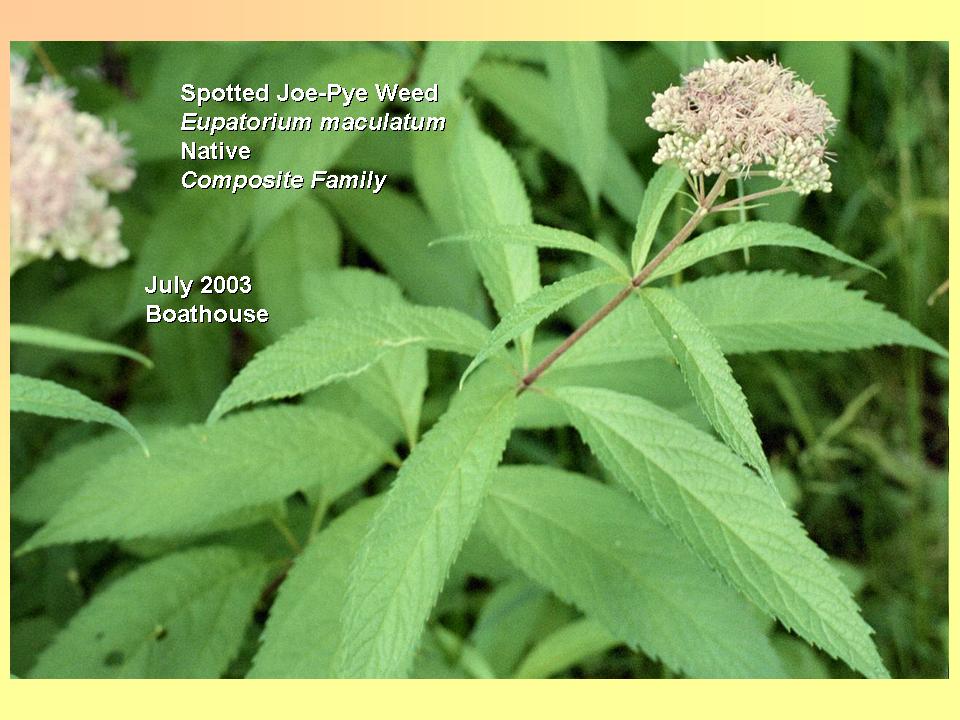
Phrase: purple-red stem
x=640 y=278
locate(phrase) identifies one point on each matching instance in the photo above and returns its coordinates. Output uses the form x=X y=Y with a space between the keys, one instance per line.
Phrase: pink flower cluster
x=63 y=164
x=734 y=116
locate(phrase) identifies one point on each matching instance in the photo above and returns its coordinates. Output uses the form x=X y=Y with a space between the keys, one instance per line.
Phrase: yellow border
x=482 y=20
x=486 y=19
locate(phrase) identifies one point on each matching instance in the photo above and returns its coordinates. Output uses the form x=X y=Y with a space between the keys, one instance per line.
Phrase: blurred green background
x=858 y=440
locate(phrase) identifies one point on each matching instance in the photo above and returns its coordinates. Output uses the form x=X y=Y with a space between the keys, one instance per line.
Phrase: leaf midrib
x=454 y=470
x=727 y=530
x=705 y=629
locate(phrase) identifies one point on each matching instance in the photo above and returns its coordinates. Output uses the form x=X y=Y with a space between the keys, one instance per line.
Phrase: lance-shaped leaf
x=416 y=535
x=657 y=379
x=660 y=192
x=303 y=631
x=689 y=54
x=708 y=375
x=622 y=185
x=541 y=236
x=60 y=340
x=199 y=474
x=45 y=397
x=539 y=306
x=392 y=389
x=525 y=96
x=572 y=643
x=748 y=235
x=509 y=622
x=759 y=312
x=52 y=482
x=448 y=64
x=595 y=547
x=396 y=231
x=740 y=527
x=579 y=94
x=193 y=364
x=755 y=312
x=304 y=240
x=182 y=616
x=323 y=351
x=487 y=190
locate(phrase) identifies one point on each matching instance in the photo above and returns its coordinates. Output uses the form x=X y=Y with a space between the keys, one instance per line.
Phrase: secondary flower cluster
x=733 y=116
x=63 y=164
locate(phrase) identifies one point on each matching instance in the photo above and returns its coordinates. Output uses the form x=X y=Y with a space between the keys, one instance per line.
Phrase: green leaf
x=193 y=365
x=758 y=312
x=303 y=153
x=541 y=236
x=596 y=548
x=524 y=96
x=486 y=181
x=508 y=622
x=432 y=160
x=305 y=239
x=708 y=375
x=396 y=231
x=688 y=55
x=394 y=386
x=738 y=526
x=632 y=78
x=22 y=48
x=151 y=120
x=326 y=350
x=827 y=66
x=747 y=235
x=428 y=513
x=28 y=638
x=435 y=660
x=478 y=558
x=45 y=397
x=539 y=306
x=57 y=339
x=661 y=190
x=397 y=388
x=487 y=190
x=573 y=643
x=463 y=659
x=801 y=660
x=388 y=153
x=215 y=221
x=754 y=312
x=333 y=293
x=622 y=185
x=657 y=379
x=199 y=474
x=448 y=64
x=303 y=631
x=181 y=616
x=41 y=493
x=77 y=308
x=579 y=93
x=625 y=334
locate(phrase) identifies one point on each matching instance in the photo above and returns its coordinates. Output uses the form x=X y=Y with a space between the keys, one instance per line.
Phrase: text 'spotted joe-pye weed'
x=685 y=551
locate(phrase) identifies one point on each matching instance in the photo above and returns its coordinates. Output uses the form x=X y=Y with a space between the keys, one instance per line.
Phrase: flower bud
x=735 y=116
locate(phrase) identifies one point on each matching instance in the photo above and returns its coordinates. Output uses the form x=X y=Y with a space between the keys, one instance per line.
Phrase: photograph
x=436 y=359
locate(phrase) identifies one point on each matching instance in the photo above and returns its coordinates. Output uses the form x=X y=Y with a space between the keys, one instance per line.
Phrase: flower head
x=63 y=164
x=732 y=116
